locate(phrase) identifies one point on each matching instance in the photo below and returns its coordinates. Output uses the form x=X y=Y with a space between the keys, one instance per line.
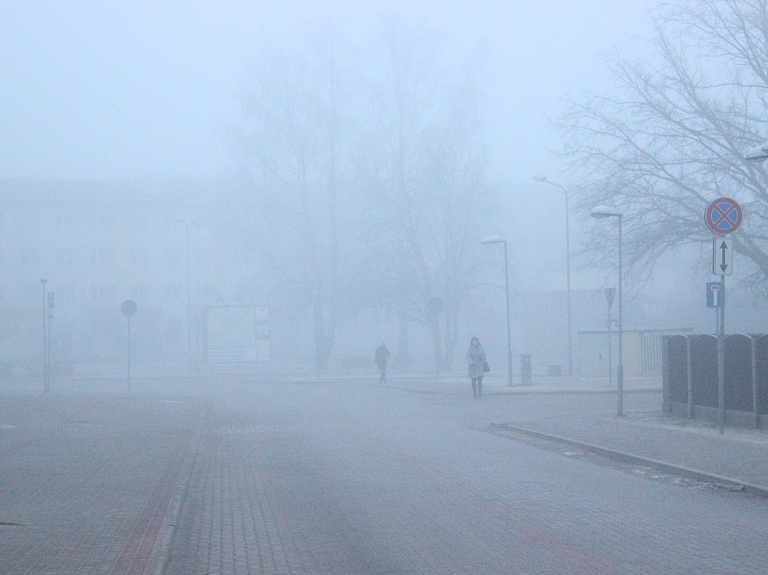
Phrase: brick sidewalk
x=85 y=481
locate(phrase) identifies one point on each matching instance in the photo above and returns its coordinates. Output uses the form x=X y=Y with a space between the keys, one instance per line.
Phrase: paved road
x=348 y=478
x=85 y=481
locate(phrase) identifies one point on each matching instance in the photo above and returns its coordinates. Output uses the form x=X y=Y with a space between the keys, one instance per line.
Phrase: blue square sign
x=714 y=294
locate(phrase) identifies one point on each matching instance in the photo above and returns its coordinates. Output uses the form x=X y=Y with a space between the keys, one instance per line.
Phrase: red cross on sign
x=723 y=216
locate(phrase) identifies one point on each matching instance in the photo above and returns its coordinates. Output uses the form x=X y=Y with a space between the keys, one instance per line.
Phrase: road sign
x=128 y=308
x=723 y=216
x=50 y=300
x=435 y=306
x=722 y=256
x=714 y=294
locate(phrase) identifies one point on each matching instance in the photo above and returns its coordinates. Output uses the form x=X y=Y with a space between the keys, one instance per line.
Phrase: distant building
x=642 y=352
x=100 y=243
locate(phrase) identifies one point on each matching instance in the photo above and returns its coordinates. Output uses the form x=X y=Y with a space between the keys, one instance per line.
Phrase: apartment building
x=172 y=247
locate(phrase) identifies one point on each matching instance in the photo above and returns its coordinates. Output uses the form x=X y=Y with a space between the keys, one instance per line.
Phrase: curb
x=161 y=554
x=578 y=391
x=616 y=455
x=523 y=392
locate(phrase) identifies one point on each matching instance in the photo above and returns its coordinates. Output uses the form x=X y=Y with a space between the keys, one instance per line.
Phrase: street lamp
x=498 y=240
x=600 y=212
x=46 y=383
x=544 y=180
x=189 y=308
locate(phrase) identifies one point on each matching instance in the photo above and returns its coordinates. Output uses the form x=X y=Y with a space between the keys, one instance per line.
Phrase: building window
x=139 y=257
x=64 y=257
x=206 y=291
x=102 y=257
x=64 y=220
x=29 y=257
x=102 y=292
x=172 y=291
x=140 y=291
x=27 y=293
x=172 y=257
x=102 y=221
x=138 y=221
x=67 y=293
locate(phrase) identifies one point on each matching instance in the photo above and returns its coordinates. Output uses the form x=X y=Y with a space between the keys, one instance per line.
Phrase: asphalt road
x=355 y=478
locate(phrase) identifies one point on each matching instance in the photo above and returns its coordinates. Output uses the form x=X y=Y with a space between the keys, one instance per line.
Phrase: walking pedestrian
x=382 y=355
x=477 y=366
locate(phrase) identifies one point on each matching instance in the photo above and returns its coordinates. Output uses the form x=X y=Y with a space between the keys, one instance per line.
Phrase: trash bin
x=525 y=369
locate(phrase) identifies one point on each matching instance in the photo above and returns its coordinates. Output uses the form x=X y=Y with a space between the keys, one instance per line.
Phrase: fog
x=320 y=171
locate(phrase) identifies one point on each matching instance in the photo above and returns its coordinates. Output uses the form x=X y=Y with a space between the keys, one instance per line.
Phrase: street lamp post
x=544 y=180
x=600 y=212
x=46 y=382
x=498 y=240
x=189 y=305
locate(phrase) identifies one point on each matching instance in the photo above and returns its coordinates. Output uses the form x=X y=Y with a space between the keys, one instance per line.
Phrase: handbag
x=486 y=369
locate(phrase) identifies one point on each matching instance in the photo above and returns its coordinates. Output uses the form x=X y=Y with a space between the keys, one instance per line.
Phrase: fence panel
x=738 y=372
x=704 y=370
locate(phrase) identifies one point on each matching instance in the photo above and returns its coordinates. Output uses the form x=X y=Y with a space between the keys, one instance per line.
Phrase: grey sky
x=134 y=89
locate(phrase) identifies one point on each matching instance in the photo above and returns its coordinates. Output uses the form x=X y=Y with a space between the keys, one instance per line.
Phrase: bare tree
x=673 y=135
x=426 y=168
x=297 y=111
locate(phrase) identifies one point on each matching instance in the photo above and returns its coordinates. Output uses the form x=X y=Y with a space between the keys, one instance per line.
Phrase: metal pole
x=568 y=284
x=544 y=180
x=46 y=385
x=620 y=377
x=610 y=349
x=509 y=331
x=129 y=353
x=189 y=307
x=721 y=359
x=48 y=355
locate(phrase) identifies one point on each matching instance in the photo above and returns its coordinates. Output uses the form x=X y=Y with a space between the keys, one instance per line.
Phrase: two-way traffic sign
x=722 y=256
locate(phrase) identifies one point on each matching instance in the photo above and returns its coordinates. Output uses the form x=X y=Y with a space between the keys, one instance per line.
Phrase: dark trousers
x=477 y=386
x=383 y=377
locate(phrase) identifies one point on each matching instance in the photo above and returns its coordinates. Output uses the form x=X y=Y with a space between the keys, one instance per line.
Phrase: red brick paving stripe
x=136 y=552
x=572 y=556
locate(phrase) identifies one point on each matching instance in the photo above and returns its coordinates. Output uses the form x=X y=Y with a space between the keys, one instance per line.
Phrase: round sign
x=435 y=306
x=128 y=308
x=723 y=216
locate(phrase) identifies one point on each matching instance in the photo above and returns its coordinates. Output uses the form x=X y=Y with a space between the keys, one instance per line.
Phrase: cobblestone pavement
x=85 y=481
x=353 y=478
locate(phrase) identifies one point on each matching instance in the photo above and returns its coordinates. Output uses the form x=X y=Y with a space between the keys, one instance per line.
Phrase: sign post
x=723 y=216
x=128 y=308
x=610 y=293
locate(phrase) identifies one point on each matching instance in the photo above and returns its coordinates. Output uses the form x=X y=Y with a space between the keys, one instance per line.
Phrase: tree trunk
x=403 y=357
x=434 y=328
x=451 y=335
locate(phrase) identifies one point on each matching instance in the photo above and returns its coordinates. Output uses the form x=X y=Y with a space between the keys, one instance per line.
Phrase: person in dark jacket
x=382 y=355
x=477 y=363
